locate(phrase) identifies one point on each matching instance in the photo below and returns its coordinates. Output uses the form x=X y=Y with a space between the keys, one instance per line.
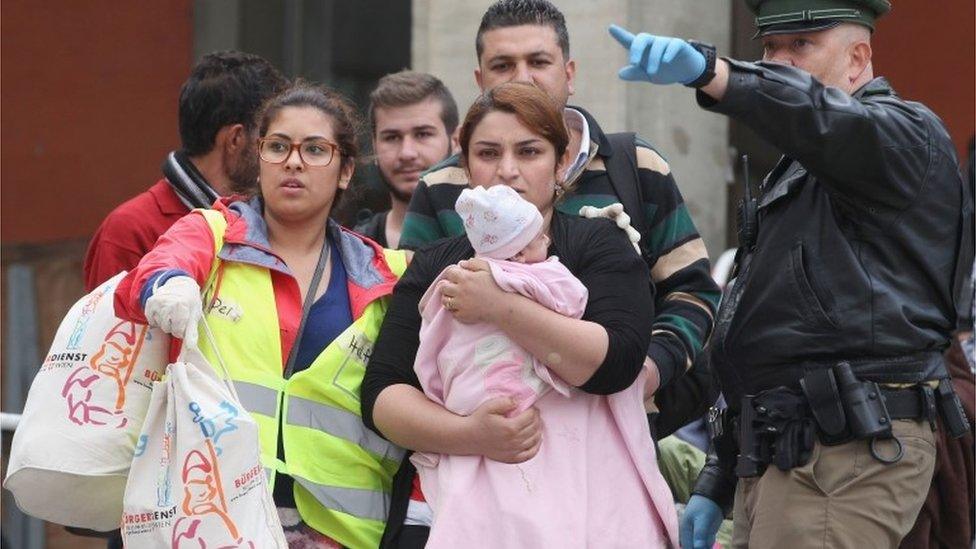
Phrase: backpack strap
x=622 y=171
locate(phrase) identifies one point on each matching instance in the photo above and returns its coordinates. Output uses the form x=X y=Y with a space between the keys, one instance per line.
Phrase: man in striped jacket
x=526 y=40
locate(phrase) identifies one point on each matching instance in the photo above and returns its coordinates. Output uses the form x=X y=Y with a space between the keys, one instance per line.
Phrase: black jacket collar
x=877 y=86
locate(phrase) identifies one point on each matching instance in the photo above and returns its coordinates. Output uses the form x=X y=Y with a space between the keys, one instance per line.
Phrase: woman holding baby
x=564 y=458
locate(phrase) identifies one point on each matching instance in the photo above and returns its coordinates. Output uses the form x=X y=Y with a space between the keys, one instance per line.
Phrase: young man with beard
x=413 y=117
x=218 y=157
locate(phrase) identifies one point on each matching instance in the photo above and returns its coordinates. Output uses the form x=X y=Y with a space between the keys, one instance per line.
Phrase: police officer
x=828 y=344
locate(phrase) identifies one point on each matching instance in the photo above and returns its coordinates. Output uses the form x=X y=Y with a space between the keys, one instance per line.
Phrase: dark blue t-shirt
x=328 y=317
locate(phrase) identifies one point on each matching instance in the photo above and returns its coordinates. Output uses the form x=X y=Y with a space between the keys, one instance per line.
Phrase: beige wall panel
x=693 y=141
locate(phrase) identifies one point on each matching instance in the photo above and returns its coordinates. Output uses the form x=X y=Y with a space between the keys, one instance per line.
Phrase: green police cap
x=787 y=16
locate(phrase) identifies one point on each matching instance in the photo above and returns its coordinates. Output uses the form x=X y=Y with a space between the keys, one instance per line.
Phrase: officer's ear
x=860 y=58
x=858 y=54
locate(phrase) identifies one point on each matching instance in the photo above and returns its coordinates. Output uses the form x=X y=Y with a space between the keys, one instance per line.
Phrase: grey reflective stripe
x=257 y=399
x=339 y=423
x=365 y=504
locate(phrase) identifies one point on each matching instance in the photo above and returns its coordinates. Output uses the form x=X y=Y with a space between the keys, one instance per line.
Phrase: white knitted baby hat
x=499 y=222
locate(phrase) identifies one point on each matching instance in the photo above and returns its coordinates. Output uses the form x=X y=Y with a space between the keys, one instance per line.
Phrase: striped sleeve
x=420 y=224
x=687 y=297
x=430 y=215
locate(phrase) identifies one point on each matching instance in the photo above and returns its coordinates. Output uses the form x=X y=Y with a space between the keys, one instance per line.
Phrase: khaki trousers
x=842 y=498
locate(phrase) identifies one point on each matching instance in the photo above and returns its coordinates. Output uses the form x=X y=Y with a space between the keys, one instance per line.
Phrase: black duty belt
x=912 y=403
x=909 y=368
x=780 y=425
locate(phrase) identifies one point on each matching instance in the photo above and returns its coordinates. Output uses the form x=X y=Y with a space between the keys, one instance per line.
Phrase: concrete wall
x=693 y=141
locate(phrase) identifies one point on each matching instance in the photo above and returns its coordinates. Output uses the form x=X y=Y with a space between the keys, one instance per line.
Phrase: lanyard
x=309 y=299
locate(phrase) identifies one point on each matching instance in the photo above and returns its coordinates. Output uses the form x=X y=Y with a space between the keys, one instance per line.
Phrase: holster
x=781 y=425
x=847 y=408
x=774 y=427
x=717 y=479
x=823 y=397
x=953 y=415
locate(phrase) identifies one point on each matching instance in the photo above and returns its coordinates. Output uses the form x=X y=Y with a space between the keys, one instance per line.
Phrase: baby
x=461 y=366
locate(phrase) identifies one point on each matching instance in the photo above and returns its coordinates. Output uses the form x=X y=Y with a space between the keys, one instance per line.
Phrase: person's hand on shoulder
x=658 y=59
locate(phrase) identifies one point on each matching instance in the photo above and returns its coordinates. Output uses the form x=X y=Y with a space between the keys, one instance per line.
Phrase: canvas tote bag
x=70 y=455
x=197 y=479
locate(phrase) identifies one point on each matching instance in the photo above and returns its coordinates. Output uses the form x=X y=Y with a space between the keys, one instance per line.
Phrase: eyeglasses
x=314 y=152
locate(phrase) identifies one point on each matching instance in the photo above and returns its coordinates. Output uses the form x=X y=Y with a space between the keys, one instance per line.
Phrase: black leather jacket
x=863 y=241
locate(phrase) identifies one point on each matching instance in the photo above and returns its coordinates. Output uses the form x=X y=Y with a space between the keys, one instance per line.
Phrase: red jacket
x=130 y=231
x=189 y=246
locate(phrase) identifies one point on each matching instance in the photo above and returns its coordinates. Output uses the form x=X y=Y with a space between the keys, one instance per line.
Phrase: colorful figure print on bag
x=185 y=530
x=209 y=425
x=77 y=392
x=141 y=444
x=164 y=487
x=203 y=499
x=87 y=311
x=112 y=363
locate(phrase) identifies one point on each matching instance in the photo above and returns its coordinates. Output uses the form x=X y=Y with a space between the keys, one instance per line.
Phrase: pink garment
x=499 y=367
x=594 y=482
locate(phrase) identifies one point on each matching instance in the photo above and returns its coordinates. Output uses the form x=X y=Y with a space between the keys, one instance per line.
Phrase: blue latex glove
x=658 y=59
x=700 y=523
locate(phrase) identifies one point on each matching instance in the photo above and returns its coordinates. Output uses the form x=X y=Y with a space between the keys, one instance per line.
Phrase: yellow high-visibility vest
x=343 y=471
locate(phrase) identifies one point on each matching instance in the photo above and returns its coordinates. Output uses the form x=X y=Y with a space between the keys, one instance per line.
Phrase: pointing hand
x=658 y=59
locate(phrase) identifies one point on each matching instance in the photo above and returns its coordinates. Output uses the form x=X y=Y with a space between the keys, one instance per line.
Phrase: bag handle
x=223 y=372
x=218 y=224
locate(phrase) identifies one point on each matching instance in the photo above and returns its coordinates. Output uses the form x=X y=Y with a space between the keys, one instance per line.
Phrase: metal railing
x=9 y=422
x=21 y=357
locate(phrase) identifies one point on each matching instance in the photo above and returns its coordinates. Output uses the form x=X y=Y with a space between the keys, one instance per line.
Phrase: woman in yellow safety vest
x=294 y=302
